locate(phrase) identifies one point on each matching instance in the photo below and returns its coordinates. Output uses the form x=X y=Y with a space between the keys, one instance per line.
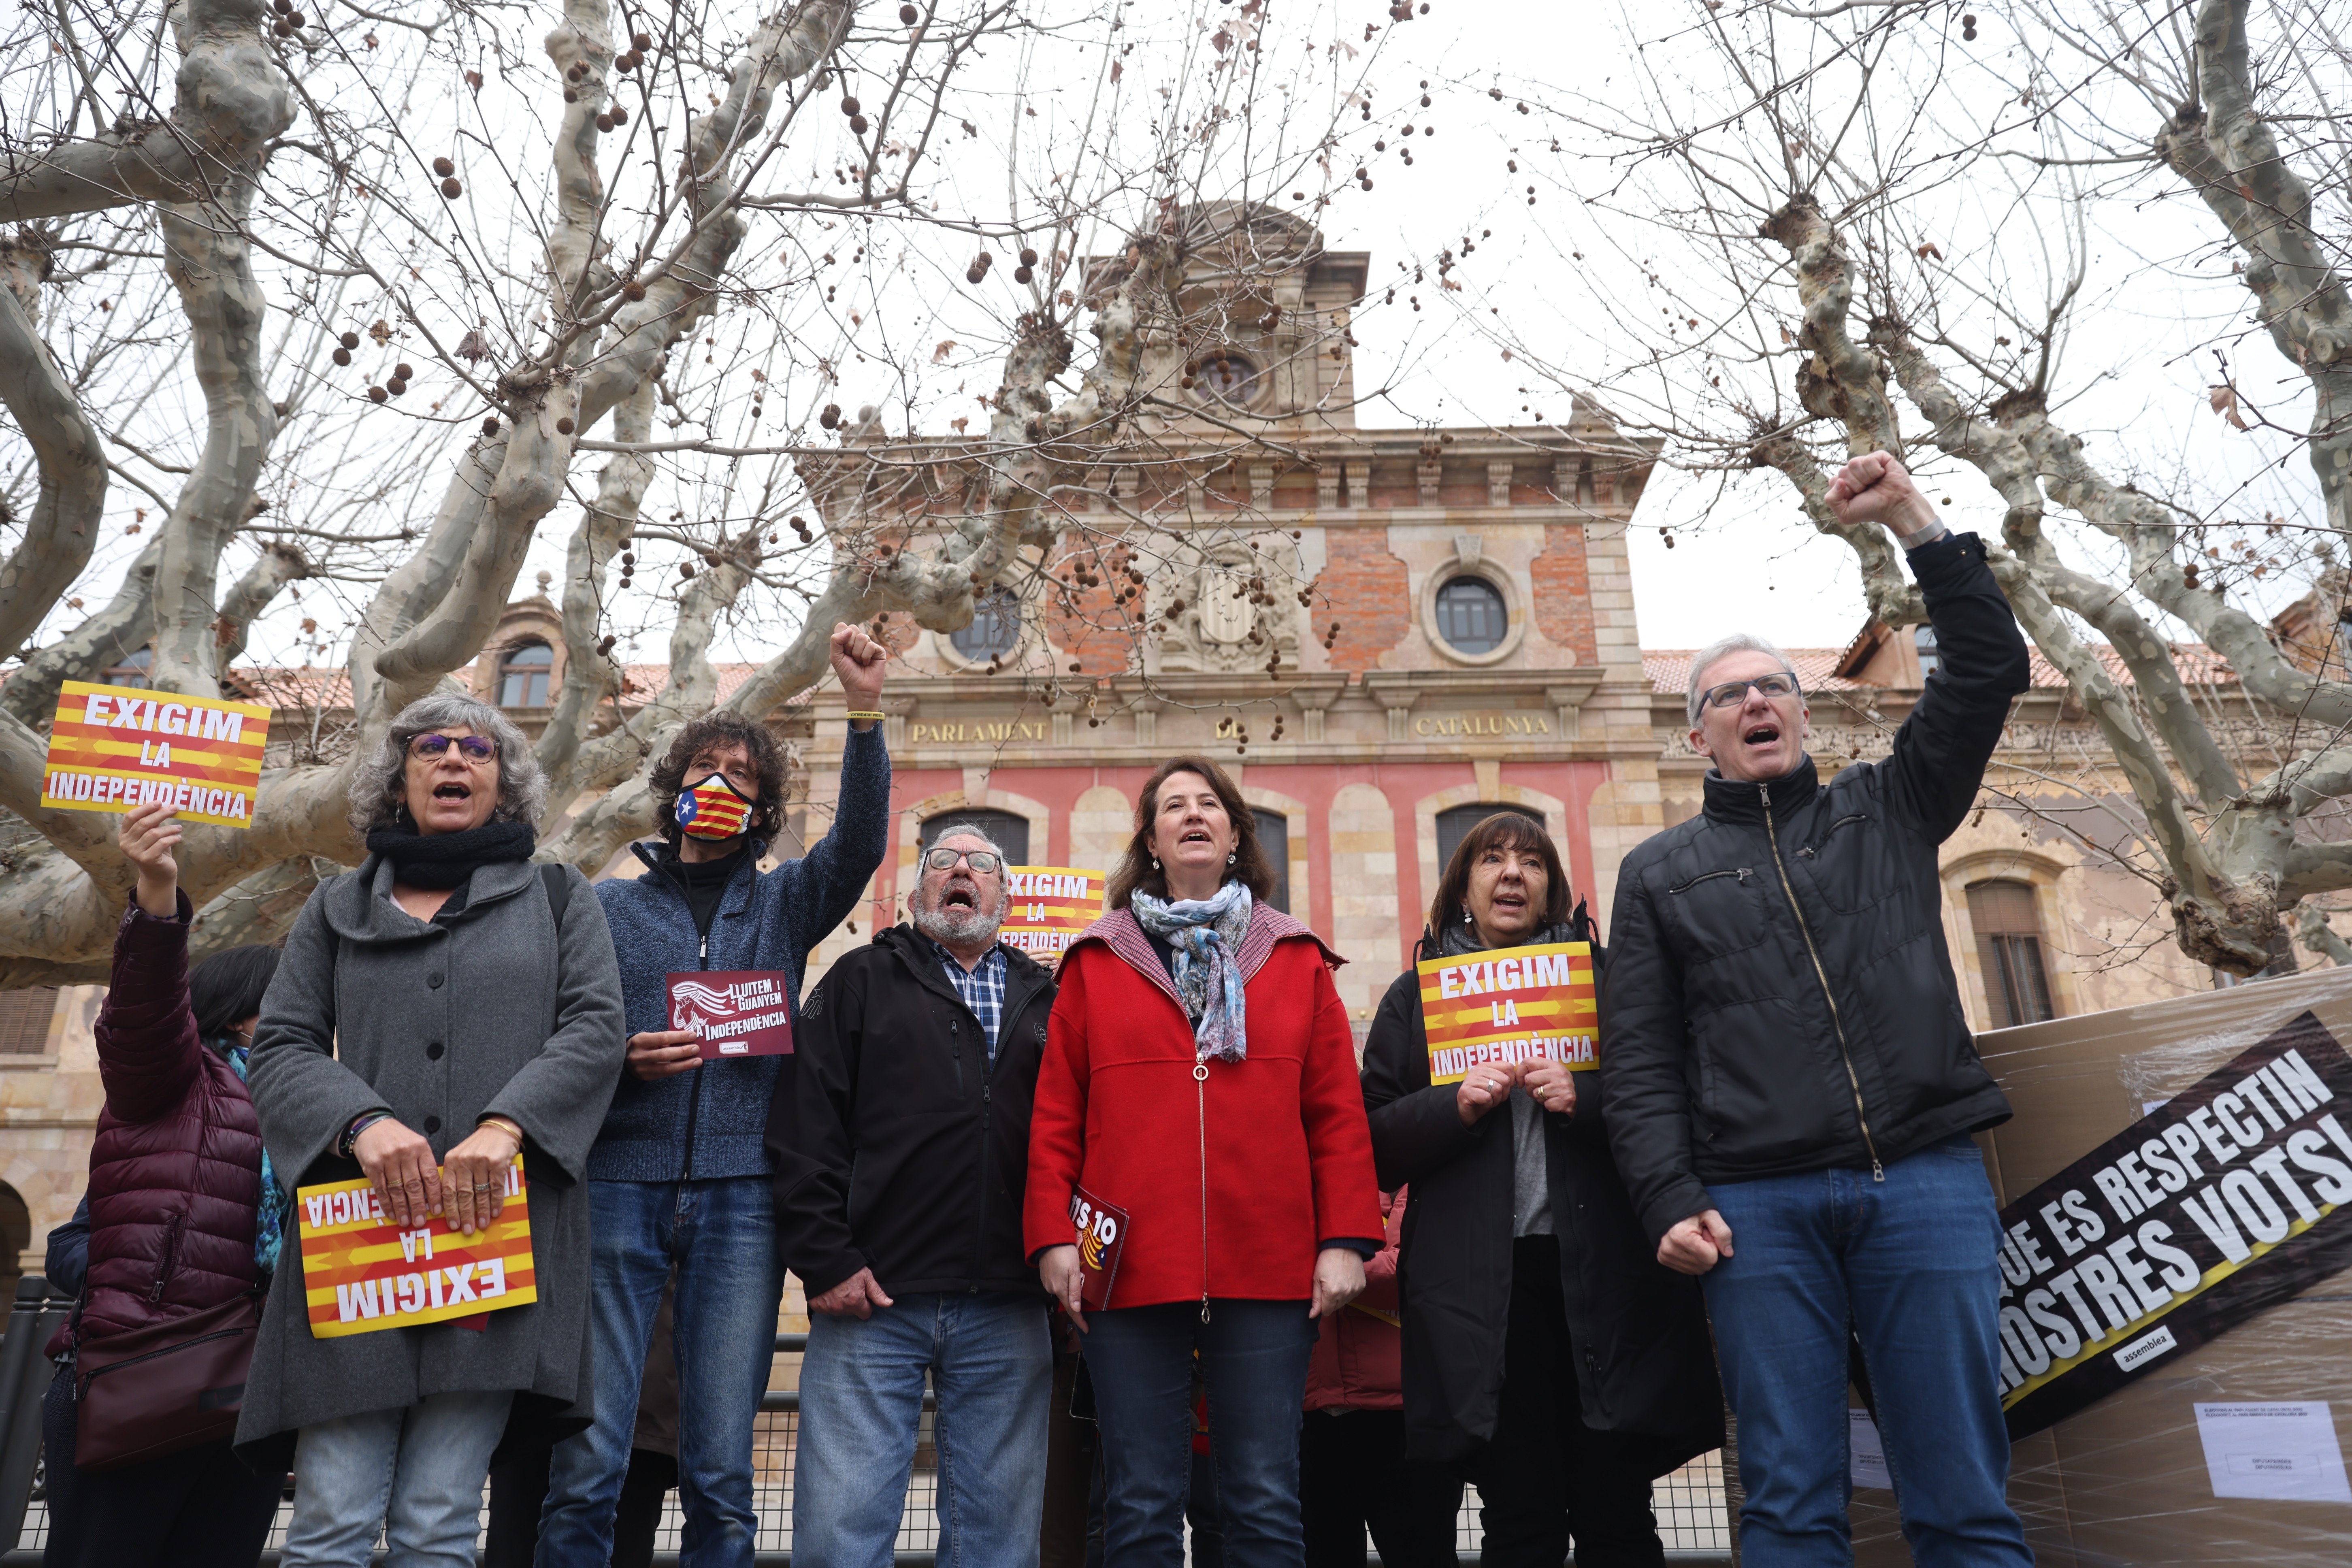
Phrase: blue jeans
x=721 y=1237
x=992 y=1357
x=416 y=1475
x=1910 y=1263
x=1253 y=1357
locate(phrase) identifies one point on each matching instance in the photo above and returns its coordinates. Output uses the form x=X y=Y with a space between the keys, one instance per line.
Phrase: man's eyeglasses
x=476 y=749
x=1732 y=693
x=980 y=860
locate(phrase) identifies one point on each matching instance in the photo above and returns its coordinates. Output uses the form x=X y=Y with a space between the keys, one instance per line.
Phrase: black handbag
x=160 y=1390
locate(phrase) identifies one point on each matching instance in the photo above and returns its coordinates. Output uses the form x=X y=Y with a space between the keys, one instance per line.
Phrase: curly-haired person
x=680 y=1179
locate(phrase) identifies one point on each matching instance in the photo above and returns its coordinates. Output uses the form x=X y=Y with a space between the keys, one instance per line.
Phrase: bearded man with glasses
x=680 y=1177
x=1790 y=1084
x=902 y=1154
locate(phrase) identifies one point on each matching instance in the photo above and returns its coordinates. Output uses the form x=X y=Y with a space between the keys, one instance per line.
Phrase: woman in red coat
x=1200 y=1088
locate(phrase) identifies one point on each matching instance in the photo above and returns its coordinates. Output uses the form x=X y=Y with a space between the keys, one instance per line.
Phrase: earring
x=1465 y=914
x=1155 y=862
x=1230 y=857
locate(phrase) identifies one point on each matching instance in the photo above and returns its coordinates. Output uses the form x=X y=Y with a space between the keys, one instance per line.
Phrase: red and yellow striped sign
x=1046 y=907
x=361 y=1273
x=1511 y=1004
x=114 y=747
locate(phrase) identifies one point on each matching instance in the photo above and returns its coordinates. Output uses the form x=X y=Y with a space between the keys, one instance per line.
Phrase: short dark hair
x=1137 y=874
x=723 y=727
x=227 y=988
x=1504 y=830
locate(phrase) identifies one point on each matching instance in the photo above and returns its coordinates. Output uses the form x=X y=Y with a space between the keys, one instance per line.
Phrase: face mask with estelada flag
x=713 y=809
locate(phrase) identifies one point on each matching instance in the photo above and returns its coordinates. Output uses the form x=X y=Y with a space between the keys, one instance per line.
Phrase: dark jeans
x=1910 y=1262
x=199 y=1509
x=1253 y=1358
x=1545 y=1477
x=518 y=1491
x=1352 y=1475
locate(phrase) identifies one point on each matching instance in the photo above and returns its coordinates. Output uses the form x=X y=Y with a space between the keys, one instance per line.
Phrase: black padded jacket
x=1779 y=997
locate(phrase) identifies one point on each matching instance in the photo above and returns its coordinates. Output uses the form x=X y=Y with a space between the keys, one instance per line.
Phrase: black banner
x=2221 y=1202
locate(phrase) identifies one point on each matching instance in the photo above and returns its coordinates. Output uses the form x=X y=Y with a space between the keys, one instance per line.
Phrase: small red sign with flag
x=1102 y=1236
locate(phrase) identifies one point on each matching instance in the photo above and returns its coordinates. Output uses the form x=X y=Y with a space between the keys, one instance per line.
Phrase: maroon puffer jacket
x=175 y=1174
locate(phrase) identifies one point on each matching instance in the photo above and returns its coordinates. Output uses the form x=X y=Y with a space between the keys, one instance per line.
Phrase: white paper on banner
x=2281 y=1451
x=1865 y=1462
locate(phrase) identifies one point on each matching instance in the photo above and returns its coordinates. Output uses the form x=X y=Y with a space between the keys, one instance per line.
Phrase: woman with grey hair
x=438 y=1011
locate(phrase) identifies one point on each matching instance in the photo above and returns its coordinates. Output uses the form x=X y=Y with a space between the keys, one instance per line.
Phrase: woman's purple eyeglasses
x=475 y=749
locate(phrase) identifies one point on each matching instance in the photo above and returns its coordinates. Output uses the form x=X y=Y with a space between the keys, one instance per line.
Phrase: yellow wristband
x=875 y=717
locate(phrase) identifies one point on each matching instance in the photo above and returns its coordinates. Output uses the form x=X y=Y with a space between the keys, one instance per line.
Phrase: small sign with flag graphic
x=1511 y=1004
x=738 y=1011
x=362 y=1273
x=115 y=747
x=1046 y=908
x=1102 y=1236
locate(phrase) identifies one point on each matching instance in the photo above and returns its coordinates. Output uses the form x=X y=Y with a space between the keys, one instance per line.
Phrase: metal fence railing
x=1690 y=1502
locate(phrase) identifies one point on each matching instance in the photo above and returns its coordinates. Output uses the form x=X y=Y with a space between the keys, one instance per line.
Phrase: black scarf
x=447 y=860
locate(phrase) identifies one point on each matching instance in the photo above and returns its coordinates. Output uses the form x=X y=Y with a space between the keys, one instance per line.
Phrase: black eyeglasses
x=476 y=749
x=980 y=860
x=1732 y=693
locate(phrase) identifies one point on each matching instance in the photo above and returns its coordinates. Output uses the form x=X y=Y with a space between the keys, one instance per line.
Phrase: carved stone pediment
x=1225 y=623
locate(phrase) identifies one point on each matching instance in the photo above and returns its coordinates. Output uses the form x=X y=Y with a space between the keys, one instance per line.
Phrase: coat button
x=432 y=1125
x=433 y=980
x=433 y=1052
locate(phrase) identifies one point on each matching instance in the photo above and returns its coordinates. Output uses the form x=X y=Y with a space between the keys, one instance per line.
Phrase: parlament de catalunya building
x=1486 y=654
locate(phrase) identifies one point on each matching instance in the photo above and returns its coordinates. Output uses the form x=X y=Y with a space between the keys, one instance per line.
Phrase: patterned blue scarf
x=1206 y=936
x=269 y=1213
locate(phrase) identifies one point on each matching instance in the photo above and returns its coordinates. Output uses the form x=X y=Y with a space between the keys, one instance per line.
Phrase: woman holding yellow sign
x=1546 y=1354
x=439 y=1010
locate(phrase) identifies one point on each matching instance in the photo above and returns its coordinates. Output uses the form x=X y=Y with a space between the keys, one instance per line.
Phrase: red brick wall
x=1369 y=597
x=1084 y=625
x=1563 y=592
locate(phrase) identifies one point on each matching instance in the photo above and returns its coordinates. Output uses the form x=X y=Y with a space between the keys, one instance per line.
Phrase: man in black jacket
x=902 y=1148
x=1784 y=1062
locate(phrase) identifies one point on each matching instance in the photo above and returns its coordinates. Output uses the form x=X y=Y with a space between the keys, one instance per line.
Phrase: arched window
x=1455 y=825
x=1274 y=842
x=2009 y=948
x=1011 y=832
x=1930 y=660
x=132 y=672
x=995 y=626
x=1471 y=617
x=523 y=672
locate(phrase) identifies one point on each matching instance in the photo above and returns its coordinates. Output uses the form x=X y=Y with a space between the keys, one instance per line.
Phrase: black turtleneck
x=704 y=882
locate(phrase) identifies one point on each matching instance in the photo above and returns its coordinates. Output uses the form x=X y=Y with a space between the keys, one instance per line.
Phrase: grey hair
x=972 y=831
x=1738 y=642
x=379 y=785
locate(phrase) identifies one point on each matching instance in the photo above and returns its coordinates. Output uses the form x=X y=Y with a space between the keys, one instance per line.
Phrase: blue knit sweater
x=712 y=1122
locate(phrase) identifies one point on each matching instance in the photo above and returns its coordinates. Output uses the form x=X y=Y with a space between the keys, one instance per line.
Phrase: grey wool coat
x=497 y=1011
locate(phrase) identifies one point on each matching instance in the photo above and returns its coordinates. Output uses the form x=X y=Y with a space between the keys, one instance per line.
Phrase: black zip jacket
x=897 y=1147
x=1779 y=997
x=1637 y=1332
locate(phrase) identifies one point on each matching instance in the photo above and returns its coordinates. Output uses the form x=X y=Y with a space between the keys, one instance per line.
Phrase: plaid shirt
x=982 y=988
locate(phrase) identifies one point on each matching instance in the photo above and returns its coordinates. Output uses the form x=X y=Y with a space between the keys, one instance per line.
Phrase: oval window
x=995 y=626
x=1471 y=617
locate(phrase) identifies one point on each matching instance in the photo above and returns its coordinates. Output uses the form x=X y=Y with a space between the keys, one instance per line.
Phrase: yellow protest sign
x=114 y=747
x=1045 y=908
x=1511 y=1004
x=362 y=1273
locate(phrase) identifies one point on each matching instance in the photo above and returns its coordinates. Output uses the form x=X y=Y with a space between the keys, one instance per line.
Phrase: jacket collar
x=1740 y=801
x=654 y=854
x=359 y=907
x=1023 y=976
x=1121 y=933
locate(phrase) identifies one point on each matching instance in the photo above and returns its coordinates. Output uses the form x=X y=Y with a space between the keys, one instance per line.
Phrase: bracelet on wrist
x=876 y=718
x=348 y=1145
